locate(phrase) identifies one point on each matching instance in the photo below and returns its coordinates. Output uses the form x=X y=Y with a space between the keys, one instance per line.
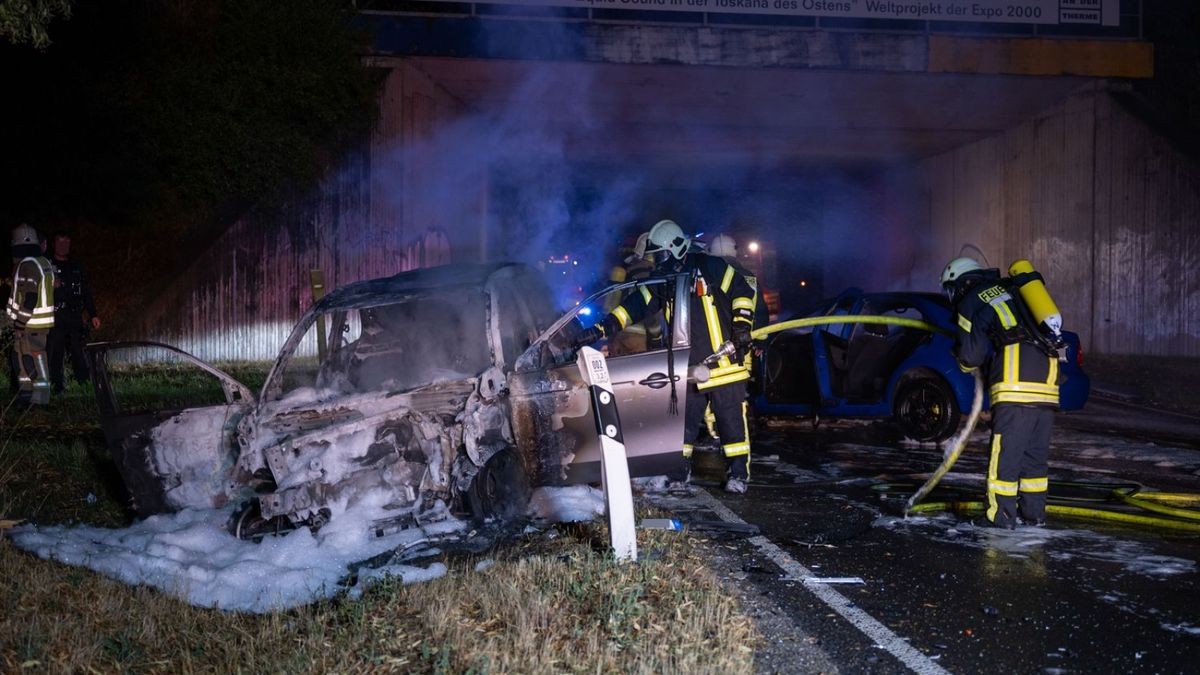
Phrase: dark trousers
x=10 y=355
x=1017 y=472
x=728 y=403
x=66 y=336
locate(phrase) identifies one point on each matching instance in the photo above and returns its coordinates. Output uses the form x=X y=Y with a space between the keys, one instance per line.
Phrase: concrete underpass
x=861 y=151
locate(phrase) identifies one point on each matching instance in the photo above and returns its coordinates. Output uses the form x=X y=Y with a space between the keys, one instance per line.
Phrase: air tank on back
x=1037 y=298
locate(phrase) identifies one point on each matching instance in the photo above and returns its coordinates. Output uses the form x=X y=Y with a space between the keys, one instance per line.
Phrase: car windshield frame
x=272 y=387
x=530 y=361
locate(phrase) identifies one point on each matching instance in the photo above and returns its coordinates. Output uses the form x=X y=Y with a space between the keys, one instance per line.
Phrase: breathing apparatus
x=1032 y=289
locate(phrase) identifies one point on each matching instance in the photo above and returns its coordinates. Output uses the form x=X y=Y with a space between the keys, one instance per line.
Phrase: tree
x=147 y=127
x=27 y=22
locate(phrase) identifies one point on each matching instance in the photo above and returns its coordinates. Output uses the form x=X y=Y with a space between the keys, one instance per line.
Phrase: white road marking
x=881 y=634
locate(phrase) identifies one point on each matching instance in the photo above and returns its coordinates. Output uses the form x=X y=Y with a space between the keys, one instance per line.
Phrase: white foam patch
x=191 y=555
x=1097 y=447
x=567 y=504
x=1059 y=544
x=406 y=574
x=653 y=484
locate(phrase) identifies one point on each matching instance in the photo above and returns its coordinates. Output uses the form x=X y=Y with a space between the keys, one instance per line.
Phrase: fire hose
x=955 y=447
x=1170 y=506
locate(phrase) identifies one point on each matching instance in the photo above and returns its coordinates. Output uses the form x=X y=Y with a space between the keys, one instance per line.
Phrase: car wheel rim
x=923 y=410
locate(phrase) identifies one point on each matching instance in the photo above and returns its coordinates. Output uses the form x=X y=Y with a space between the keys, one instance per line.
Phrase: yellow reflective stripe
x=723 y=370
x=1052 y=378
x=744 y=303
x=1023 y=398
x=736 y=449
x=964 y=323
x=1035 y=484
x=1012 y=363
x=622 y=316
x=1028 y=387
x=1024 y=392
x=714 y=325
x=687 y=450
x=993 y=468
x=1002 y=487
x=1006 y=316
x=645 y=294
x=743 y=374
x=727 y=281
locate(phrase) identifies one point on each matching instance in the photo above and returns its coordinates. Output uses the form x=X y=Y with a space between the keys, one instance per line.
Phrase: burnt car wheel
x=500 y=489
x=926 y=409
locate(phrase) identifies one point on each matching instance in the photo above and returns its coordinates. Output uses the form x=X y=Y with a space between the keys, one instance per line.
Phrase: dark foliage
x=146 y=127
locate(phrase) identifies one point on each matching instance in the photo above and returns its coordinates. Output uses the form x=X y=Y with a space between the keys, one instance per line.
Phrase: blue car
x=877 y=370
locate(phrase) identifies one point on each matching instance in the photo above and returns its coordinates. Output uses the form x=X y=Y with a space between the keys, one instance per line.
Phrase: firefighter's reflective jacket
x=720 y=296
x=993 y=332
x=31 y=304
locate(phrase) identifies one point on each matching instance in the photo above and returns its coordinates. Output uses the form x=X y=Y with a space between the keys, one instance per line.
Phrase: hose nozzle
x=727 y=349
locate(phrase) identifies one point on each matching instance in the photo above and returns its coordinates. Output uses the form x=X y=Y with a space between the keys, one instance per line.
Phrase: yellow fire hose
x=1076 y=511
x=956 y=447
x=1165 y=503
x=845 y=318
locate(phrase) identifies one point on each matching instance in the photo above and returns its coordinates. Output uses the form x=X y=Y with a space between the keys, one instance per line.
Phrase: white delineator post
x=618 y=493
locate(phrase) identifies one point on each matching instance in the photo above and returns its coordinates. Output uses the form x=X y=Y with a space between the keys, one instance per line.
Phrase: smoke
x=565 y=160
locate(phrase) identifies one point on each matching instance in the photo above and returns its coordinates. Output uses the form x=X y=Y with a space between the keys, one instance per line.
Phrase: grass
x=551 y=602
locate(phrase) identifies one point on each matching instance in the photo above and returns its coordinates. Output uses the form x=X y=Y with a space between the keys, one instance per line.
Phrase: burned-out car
x=444 y=390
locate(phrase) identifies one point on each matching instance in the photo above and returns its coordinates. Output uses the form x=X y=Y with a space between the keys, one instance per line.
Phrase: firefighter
x=726 y=247
x=721 y=310
x=997 y=333
x=72 y=297
x=647 y=333
x=31 y=311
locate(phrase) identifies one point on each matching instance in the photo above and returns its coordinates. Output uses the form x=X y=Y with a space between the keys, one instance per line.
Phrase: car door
x=169 y=421
x=553 y=422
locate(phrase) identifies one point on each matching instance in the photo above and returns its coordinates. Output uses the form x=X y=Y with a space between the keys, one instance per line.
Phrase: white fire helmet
x=724 y=246
x=958 y=267
x=24 y=235
x=666 y=236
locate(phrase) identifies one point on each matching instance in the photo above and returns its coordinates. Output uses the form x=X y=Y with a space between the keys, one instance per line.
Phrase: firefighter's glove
x=589 y=336
x=741 y=338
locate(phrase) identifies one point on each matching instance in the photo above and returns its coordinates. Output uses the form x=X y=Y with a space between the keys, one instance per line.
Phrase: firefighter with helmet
x=721 y=310
x=725 y=246
x=996 y=332
x=647 y=333
x=31 y=311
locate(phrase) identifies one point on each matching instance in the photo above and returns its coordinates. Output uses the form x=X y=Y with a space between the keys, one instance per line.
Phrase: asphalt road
x=938 y=594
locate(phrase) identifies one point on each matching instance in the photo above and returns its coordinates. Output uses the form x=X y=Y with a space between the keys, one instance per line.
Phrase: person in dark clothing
x=8 y=338
x=721 y=310
x=72 y=297
x=995 y=333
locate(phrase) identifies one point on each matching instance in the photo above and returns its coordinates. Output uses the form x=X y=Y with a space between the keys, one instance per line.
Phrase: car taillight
x=1079 y=355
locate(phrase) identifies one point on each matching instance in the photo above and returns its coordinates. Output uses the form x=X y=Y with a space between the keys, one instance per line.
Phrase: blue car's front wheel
x=926 y=410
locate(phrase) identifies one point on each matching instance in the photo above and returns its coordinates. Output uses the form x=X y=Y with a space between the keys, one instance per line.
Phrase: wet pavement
x=940 y=594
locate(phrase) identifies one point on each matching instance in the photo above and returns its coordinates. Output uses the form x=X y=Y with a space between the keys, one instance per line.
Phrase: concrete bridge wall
x=1107 y=209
